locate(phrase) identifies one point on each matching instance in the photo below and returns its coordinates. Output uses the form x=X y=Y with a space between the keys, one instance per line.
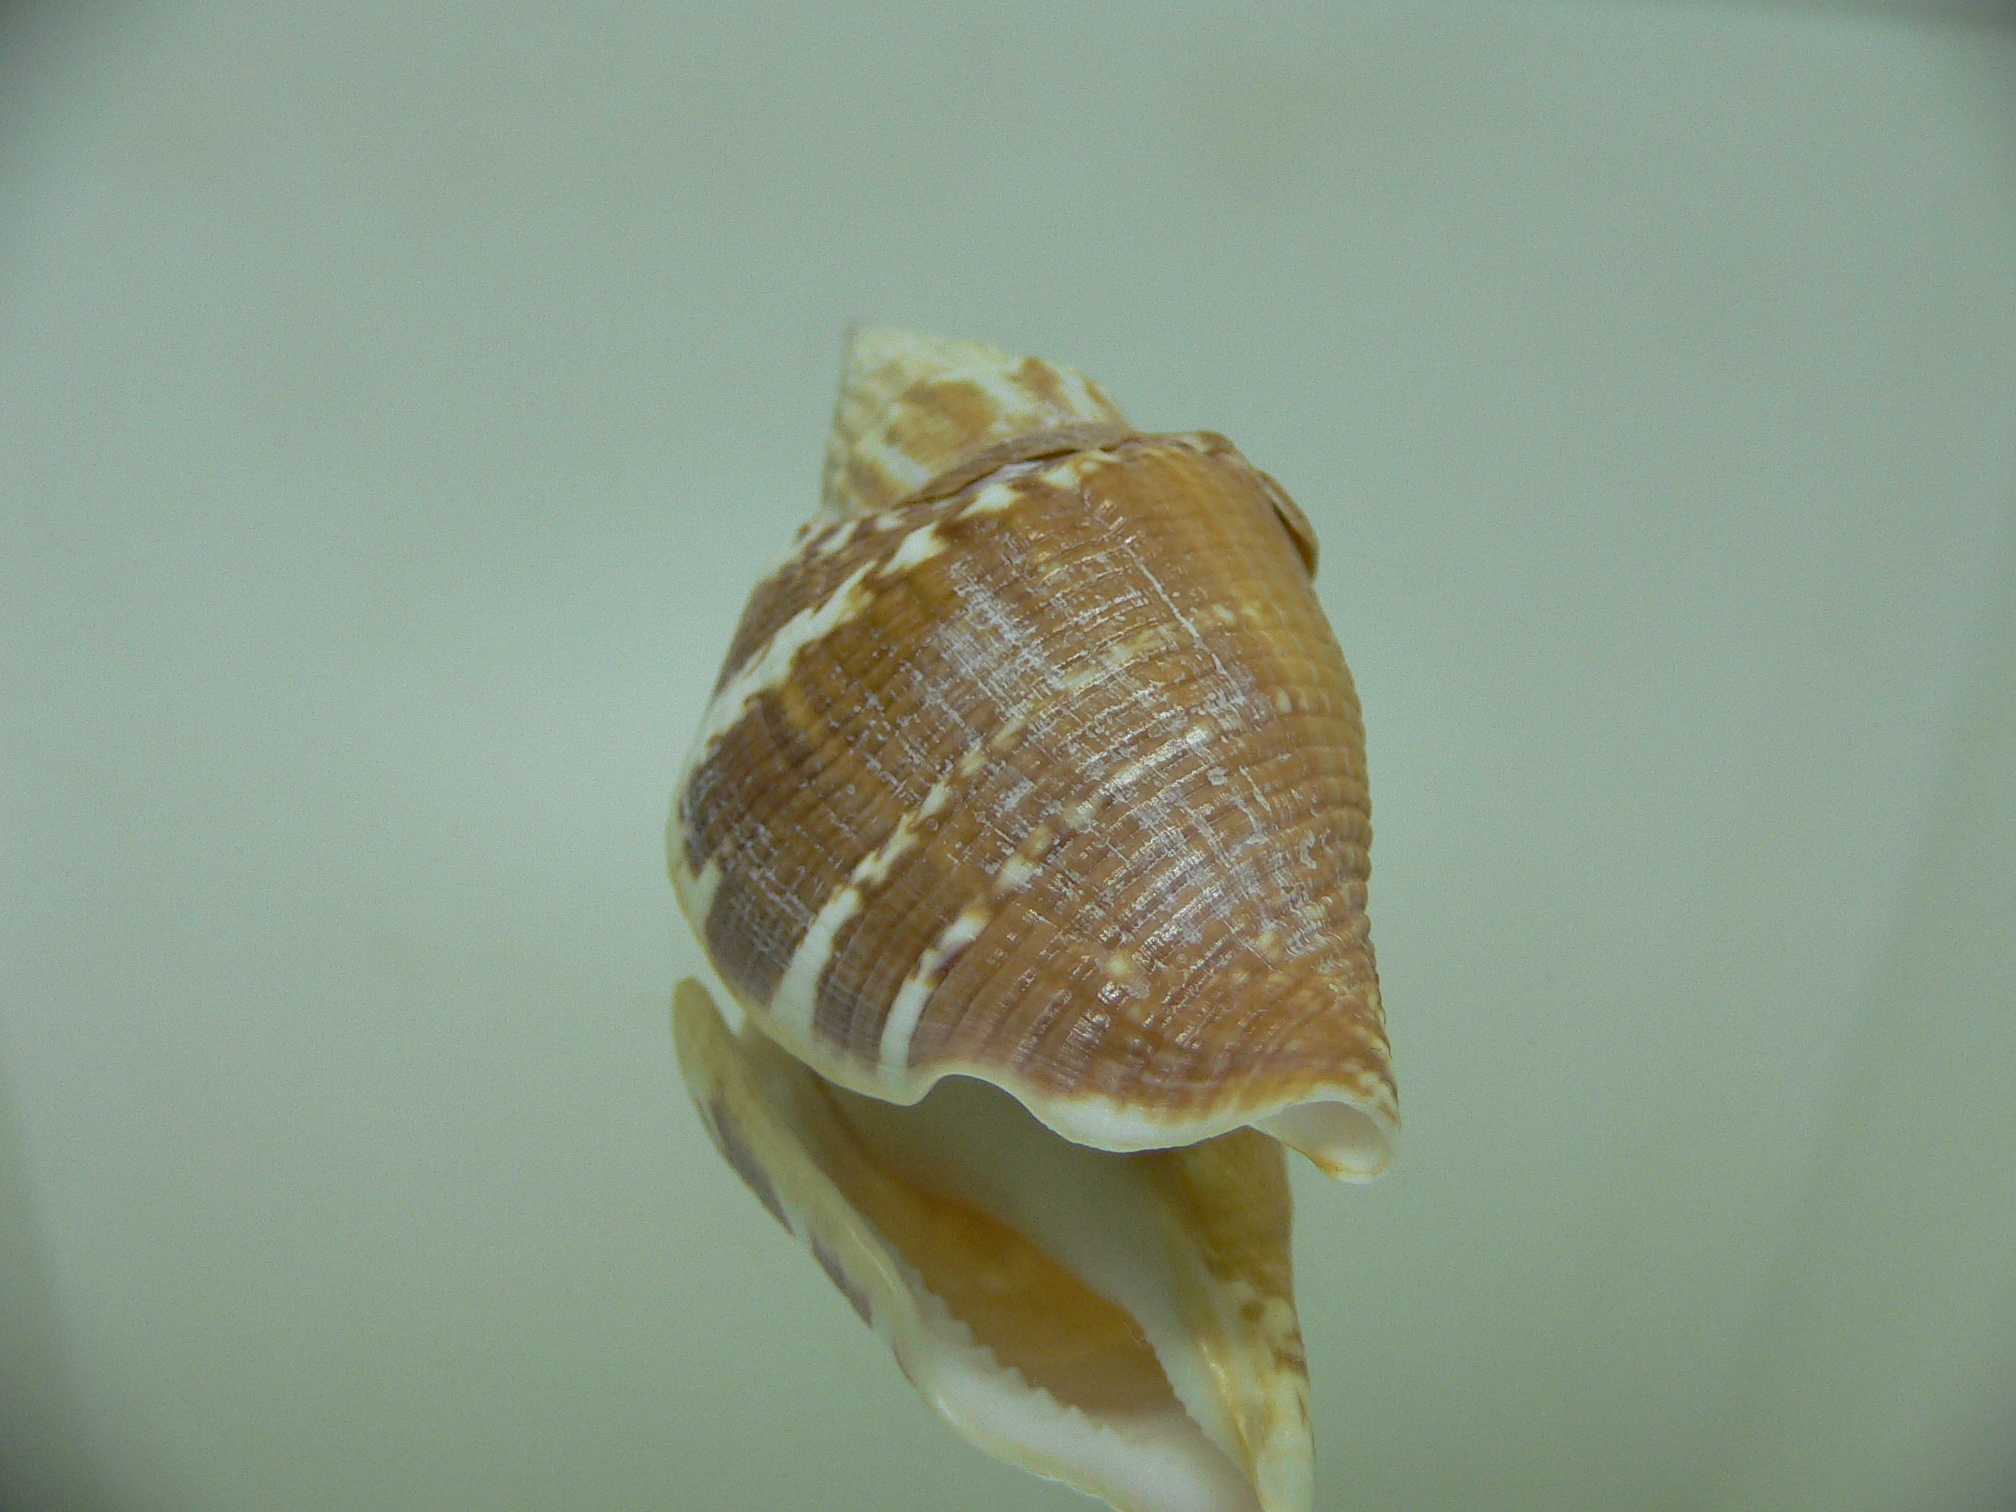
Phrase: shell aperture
x=1028 y=826
x=1169 y=1379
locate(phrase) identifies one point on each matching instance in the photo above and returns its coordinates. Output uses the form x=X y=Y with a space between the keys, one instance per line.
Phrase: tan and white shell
x=1035 y=776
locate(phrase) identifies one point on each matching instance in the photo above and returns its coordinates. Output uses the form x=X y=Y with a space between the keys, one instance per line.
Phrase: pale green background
x=396 y=402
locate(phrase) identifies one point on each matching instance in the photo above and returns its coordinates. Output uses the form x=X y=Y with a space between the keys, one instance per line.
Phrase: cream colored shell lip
x=1204 y=1409
x=1349 y=1136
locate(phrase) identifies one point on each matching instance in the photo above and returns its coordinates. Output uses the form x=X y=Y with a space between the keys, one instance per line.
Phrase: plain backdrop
x=397 y=401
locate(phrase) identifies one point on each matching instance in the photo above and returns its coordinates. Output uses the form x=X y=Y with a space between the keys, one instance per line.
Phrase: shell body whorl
x=1037 y=762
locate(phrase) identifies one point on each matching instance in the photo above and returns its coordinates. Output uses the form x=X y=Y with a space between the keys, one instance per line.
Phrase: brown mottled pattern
x=1184 y=730
x=935 y=421
x=1038 y=379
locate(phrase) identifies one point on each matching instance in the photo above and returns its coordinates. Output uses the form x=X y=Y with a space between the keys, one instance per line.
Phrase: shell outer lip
x=740 y=1106
x=1099 y=1123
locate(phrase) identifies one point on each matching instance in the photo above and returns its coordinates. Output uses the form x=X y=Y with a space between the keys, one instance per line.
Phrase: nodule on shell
x=1028 y=825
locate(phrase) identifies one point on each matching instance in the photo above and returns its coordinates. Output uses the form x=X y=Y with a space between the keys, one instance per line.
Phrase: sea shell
x=1035 y=776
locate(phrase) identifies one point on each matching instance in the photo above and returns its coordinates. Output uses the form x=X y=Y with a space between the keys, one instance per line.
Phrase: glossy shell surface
x=1036 y=761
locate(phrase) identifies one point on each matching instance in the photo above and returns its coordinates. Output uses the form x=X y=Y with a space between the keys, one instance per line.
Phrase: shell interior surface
x=1028 y=825
x=1047 y=772
x=1058 y=1306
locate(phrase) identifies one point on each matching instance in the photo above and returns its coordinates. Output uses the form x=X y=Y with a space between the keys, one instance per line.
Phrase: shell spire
x=914 y=406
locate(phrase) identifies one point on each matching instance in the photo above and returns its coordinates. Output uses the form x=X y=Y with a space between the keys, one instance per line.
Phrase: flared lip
x=1344 y=1133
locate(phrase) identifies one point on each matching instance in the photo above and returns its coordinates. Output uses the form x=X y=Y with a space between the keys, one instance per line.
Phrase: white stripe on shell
x=908 y=1007
x=796 y=999
x=994 y=498
x=836 y=541
x=920 y=545
x=695 y=892
x=771 y=666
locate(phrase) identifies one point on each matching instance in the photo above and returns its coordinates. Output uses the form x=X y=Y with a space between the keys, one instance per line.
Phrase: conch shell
x=1028 y=825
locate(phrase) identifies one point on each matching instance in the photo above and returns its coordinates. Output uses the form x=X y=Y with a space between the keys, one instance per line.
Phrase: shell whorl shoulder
x=912 y=406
